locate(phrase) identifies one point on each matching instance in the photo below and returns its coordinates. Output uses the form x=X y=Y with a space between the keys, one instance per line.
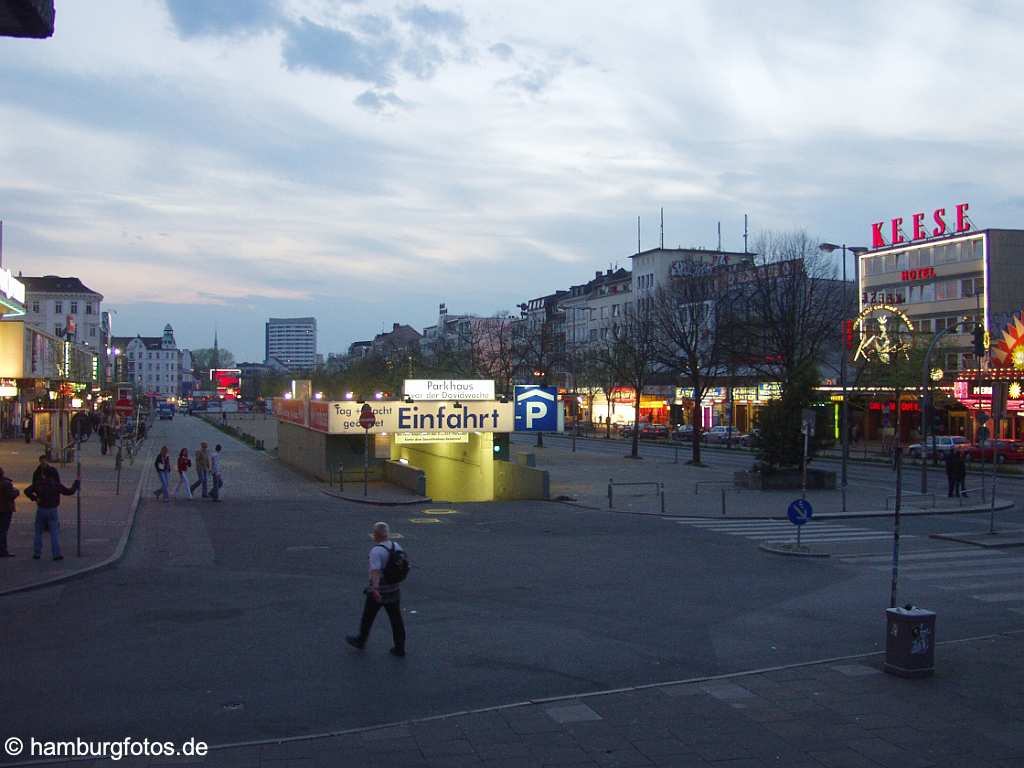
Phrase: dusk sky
x=205 y=163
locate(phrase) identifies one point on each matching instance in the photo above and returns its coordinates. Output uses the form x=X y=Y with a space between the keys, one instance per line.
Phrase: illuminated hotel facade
x=940 y=281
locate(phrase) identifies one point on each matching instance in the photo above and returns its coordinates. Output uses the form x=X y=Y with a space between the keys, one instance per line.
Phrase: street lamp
x=856 y=251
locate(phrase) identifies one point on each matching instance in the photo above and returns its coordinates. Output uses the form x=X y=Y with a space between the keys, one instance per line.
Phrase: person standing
x=961 y=473
x=382 y=591
x=8 y=493
x=26 y=428
x=202 y=469
x=162 y=465
x=184 y=462
x=215 y=470
x=45 y=491
x=951 y=471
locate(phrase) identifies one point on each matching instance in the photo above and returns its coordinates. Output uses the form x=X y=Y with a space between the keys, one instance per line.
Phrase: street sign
x=366 y=418
x=536 y=409
x=807 y=421
x=800 y=512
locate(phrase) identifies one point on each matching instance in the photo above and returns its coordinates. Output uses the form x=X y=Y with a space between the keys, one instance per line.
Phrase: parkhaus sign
x=936 y=226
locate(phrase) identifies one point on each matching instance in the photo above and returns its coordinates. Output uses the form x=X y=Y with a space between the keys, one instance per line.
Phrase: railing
x=724 y=487
x=658 y=486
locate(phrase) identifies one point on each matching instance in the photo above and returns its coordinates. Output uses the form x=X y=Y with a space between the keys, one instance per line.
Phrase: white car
x=720 y=435
x=943 y=445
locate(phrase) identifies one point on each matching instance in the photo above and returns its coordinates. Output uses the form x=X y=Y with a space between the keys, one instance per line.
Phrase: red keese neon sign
x=919 y=230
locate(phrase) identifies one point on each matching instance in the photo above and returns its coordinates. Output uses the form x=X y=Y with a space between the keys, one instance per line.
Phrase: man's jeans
x=47 y=518
x=203 y=478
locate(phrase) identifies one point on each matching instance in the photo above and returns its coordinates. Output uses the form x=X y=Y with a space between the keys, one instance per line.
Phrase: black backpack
x=397 y=566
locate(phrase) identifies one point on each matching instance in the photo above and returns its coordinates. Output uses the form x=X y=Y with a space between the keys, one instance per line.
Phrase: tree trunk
x=635 y=452
x=695 y=415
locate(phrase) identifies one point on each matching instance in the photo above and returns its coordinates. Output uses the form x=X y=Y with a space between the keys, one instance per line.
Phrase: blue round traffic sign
x=800 y=512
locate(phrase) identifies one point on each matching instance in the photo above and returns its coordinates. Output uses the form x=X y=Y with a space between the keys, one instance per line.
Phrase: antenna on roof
x=745 y=234
x=662 y=239
x=719 y=237
x=638 y=234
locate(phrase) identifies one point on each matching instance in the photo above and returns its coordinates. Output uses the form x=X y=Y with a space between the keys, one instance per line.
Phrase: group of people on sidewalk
x=208 y=467
x=45 y=490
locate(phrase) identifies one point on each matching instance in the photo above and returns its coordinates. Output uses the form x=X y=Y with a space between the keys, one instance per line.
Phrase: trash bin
x=910 y=641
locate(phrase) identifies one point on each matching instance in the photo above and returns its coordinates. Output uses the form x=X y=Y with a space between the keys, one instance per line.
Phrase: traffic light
x=979 y=343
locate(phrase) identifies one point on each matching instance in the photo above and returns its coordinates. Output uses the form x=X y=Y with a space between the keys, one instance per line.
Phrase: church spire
x=215 y=362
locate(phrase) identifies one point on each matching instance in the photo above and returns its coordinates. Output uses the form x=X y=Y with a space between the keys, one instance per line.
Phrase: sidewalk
x=837 y=713
x=106 y=514
x=583 y=477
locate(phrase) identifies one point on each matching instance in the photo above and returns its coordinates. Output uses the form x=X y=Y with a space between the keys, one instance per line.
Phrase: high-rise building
x=292 y=341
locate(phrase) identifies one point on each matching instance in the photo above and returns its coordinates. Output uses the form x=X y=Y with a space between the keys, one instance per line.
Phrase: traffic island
x=792 y=550
x=995 y=540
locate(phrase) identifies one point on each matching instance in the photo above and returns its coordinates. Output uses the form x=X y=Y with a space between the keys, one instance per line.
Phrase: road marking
x=825 y=537
x=778 y=531
x=425 y=520
x=959 y=565
x=440 y=512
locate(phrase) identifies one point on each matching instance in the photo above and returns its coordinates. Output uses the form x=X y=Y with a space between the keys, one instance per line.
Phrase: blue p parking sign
x=536 y=409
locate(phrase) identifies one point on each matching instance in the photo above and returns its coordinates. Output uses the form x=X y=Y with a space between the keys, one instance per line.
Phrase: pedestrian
x=215 y=470
x=45 y=491
x=202 y=469
x=184 y=462
x=8 y=493
x=162 y=465
x=961 y=473
x=951 y=471
x=386 y=572
x=26 y=428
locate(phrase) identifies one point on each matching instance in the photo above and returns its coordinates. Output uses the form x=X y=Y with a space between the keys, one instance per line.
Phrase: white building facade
x=154 y=365
x=292 y=341
x=57 y=305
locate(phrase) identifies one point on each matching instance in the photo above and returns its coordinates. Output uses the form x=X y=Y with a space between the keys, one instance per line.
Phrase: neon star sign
x=886 y=333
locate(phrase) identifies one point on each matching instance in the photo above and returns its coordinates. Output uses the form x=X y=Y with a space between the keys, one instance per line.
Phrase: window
x=944 y=254
x=952 y=362
x=74 y=307
x=615 y=310
x=920 y=258
x=35 y=307
x=92 y=331
x=971 y=250
x=58 y=307
x=947 y=289
x=972 y=286
x=58 y=330
x=88 y=308
x=923 y=326
x=890 y=262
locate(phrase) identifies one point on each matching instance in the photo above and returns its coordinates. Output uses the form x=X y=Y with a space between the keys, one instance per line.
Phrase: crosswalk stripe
x=950 y=555
x=952 y=567
x=822 y=537
x=945 y=575
x=980 y=585
x=1000 y=597
x=775 y=527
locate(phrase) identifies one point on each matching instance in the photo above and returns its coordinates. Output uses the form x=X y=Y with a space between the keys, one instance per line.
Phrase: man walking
x=8 y=493
x=45 y=491
x=381 y=592
x=951 y=471
x=215 y=470
x=202 y=468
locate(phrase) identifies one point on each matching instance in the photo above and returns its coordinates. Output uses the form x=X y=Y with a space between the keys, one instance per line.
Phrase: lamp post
x=845 y=436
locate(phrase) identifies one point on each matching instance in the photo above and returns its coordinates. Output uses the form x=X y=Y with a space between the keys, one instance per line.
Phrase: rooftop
x=55 y=284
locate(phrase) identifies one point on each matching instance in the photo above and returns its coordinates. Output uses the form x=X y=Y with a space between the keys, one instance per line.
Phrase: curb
x=1001 y=506
x=542 y=701
x=374 y=503
x=791 y=551
x=112 y=560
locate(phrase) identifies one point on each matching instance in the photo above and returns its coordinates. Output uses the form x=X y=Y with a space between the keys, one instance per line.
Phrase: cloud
x=533 y=81
x=386 y=102
x=337 y=52
x=503 y=51
x=433 y=22
x=199 y=19
x=372 y=24
x=423 y=61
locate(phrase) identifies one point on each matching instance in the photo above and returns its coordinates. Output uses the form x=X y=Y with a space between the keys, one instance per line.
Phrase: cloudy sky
x=220 y=162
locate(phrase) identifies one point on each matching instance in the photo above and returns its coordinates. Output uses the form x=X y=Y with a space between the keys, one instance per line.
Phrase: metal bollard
x=723 y=501
x=662 y=489
x=341 y=477
x=610 y=483
x=676 y=459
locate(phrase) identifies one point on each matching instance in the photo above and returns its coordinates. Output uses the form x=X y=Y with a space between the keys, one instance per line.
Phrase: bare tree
x=693 y=317
x=792 y=304
x=634 y=353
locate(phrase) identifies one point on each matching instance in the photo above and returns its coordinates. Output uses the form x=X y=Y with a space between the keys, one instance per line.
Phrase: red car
x=1008 y=450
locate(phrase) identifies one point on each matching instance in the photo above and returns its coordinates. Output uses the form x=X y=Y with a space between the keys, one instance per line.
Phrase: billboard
x=227 y=382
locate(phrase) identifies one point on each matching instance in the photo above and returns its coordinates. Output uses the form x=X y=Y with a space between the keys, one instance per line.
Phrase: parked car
x=943 y=445
x=721 y=435
x=748 y=440
x=1007 y=450
x=684 y=433
x=653 y=432
x=166 y=411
